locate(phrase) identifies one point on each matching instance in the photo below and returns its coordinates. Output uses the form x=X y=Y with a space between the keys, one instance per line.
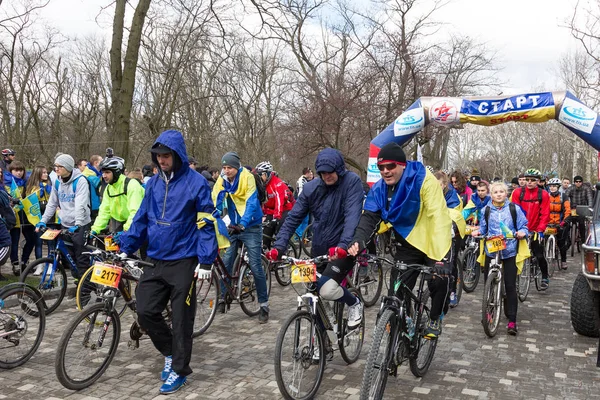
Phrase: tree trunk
x=123 y=76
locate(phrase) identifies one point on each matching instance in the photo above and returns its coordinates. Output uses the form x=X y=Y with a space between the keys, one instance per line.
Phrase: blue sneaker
x=164 y=375
x=173 y=383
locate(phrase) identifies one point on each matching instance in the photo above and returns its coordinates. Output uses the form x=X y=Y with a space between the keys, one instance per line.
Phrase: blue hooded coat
x=336 y=209
x=168 y=214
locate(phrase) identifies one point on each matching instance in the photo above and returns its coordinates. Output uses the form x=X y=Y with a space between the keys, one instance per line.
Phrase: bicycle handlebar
x=316 y=260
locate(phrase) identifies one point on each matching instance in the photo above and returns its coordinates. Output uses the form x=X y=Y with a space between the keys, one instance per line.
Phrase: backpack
x=7 y=215
x=94 y=196
x=522 y=196
x=125 y=185
x=513 y=213
x=261 y=190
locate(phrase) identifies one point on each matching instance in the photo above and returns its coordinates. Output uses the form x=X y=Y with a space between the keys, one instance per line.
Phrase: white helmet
x=264 y=166
x=554 y=181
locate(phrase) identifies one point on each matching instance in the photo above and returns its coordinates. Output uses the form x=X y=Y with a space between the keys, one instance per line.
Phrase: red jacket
x=537 y=214
x=279 y=198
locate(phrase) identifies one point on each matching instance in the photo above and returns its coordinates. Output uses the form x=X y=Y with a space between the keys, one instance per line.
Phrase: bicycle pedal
x=133 y=344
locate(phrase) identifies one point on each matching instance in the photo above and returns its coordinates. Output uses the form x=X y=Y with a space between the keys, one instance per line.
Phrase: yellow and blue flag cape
x=220 y=229
x=31 y=207
x=474 y=207
x=238 y=200
x=417 y=210
x=455 y=208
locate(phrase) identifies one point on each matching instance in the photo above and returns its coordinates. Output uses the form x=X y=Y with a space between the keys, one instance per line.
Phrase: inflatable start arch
x=488 y=111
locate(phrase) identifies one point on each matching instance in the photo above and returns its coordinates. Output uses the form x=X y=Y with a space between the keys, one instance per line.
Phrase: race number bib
x=50 y=234
x=495 y=244
x=304 y=273
x=106 y=275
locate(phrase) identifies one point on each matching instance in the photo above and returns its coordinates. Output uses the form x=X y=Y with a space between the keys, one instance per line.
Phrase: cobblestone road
x=234 y=359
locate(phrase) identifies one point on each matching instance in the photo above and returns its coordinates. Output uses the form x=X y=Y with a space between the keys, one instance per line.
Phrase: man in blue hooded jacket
x=167 y=219
x=335 y=202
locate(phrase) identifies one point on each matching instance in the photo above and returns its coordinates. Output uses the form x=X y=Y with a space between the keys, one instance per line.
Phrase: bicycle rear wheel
x=471 y=270
x=380 y=358
x=86 y=349
x=369 y=282
x=89 y=293
x=208 y=293
x=283 y=271
x=524 y=280
x=52 y=287
x=350 y=341
x=550 y=253
x=22 y=324
x=491 y=305
x=299 y=357
x=247 y=287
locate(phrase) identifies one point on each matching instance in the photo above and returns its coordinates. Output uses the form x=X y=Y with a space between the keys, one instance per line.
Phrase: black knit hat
x=391 y=152
x=578 y=178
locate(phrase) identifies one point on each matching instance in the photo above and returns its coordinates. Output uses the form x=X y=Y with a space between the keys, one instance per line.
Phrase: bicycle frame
x=59 y=250
x=226 y=278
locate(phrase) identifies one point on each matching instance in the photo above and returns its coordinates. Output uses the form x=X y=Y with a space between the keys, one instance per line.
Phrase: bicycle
x=281 y=270
x=90 y=340
x=53 y=279
x=239 y=287
x=551 y=250
x=306 y=339
x=494 y=295
x=367 y=278
x=400 y=332
x=467 y=262
x=306 y=240
x=22 y=324
x=531 y=271
x=575 y=236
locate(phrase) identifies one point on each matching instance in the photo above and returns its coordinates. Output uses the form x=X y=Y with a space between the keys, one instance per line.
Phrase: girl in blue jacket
x=500 y=221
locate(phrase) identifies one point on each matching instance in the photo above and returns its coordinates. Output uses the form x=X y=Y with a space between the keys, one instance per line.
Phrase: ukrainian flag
x=418 y=210
x=31 y=206
x=455 y=208
x=239 y=199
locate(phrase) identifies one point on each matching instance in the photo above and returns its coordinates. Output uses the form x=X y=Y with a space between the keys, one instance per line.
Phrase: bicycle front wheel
x=550 y=253
x=350 y=340
x=247 y=286
x=537 y=274
x=207 y=297
x=422 y=347
x=283 y=271
x=380 y=358
x=22 y=324
x=299 y=357
x=52 y=286
x=89 y=293
x=87 y=348
x=306 y=240
x=491 y=305
x=369 y=281
x=471 y=270
x=524 y=280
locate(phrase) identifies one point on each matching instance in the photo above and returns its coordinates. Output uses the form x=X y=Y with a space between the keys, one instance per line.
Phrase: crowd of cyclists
x=156 y=210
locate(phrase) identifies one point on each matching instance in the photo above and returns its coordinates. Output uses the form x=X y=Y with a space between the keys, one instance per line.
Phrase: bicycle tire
x=247 y=288
x=524 y=280
x=459 y=285
x=283 y=271
x=53 y=292
x=306 y=240
x=85 y=288
x=491 y=305
x=375 y=375
x=90 y=314
x=346 y=336
x=303 y=356
x=574 y=235
x=27 y=305
x=550 y=254
x=471 y=270
x=370 y=290
x=422 y=347
x=208 y=293
x=537 y=275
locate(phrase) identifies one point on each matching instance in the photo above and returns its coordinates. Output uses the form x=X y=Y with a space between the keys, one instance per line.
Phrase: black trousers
x=581 y=226
x=510 y=285
x=272 y=229
x=79 y=239
x=439 y=288
x=564 y=239
x=169 y=280
x=537 y=248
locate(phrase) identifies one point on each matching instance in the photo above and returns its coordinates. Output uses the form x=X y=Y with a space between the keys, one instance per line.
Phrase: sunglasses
x=531 y=179
x=389 y=167
x=578 y=181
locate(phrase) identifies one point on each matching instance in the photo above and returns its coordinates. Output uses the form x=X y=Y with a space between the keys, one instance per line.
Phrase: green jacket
x=115 y=204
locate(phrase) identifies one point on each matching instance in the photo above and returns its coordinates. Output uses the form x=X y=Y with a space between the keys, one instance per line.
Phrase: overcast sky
x=527 y=34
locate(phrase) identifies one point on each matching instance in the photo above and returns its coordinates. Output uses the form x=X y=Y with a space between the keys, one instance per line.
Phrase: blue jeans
x=252 y=238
